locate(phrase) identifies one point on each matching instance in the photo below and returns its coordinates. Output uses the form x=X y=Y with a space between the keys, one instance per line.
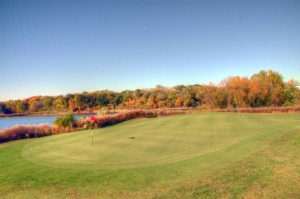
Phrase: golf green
x=142 y=143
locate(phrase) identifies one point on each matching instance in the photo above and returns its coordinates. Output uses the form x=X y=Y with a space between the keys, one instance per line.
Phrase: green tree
x=102 y=100
x=290 y=92
x=21 y=106
x=4 y=109
x=65 y=120
x=81 y=101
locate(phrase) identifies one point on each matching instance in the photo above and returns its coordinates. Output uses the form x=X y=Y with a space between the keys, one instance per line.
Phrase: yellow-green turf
x=205 y=155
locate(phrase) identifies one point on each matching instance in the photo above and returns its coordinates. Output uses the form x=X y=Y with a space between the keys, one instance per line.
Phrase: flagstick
x=92 y=137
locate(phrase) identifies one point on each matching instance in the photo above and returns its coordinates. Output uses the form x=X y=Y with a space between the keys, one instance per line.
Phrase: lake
x=32 y=120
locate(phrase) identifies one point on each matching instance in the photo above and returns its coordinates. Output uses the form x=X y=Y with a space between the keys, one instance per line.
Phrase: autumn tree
x=262 y=89
x=152 y=101
x=60 y=103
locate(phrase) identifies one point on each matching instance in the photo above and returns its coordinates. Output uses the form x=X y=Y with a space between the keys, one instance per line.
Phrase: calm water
x=12 y=121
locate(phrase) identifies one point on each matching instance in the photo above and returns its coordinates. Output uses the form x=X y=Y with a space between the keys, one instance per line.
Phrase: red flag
x=93 y=118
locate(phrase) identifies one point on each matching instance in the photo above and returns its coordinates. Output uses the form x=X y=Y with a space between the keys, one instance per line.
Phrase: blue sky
x=60 y=47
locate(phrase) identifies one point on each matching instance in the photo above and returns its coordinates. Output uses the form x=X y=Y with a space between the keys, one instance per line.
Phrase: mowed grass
x=205 y=155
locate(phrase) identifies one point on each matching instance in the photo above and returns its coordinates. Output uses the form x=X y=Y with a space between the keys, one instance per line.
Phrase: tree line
x=262 y=89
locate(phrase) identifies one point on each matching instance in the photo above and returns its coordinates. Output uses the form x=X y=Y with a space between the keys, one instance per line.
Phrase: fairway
x=204 y=155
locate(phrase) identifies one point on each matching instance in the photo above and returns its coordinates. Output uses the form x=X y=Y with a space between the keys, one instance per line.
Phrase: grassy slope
x=207 y=155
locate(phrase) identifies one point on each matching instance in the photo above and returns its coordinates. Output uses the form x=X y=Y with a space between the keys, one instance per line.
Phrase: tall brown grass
x=106 y=120
x=32 y=131
x=24 y=131
x=292 y=109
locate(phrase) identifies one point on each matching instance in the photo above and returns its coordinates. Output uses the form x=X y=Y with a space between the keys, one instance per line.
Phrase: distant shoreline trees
x=262 y=89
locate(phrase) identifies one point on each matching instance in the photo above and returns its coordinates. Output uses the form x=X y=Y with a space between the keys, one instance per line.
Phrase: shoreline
x=42 y=114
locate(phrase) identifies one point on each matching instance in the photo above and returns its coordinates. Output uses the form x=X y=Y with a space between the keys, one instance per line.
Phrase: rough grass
x=206 y=155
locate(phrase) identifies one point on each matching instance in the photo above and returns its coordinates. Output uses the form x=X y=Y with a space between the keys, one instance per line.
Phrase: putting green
x=145 y=142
